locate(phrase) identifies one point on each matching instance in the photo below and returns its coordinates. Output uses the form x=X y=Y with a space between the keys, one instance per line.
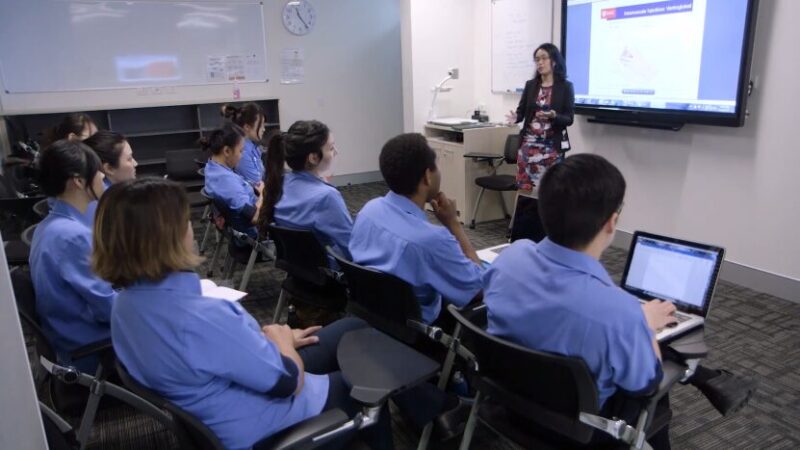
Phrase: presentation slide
x=671 y=271
x=673 y=55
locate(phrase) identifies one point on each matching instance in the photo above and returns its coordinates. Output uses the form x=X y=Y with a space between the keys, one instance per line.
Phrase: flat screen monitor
x=660 y=62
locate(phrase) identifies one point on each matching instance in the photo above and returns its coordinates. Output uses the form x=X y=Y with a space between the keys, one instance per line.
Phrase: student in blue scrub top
x=301 y=198
x=555 y=296
x=73 y=304
x=252 y=120
x=207 y=355
x=393 y=234
x=116 y=158
x=242 y=200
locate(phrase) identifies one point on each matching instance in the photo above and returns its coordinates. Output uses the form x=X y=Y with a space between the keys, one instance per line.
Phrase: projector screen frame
x=673 y=119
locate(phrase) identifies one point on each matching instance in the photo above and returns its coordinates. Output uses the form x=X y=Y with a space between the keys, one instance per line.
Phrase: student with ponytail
x=73 y=304
x=251 y=118
x=301 y=198
x=225 y=186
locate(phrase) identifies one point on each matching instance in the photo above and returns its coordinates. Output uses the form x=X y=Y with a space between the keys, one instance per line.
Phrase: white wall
x=736 y=187
x=437 y=35
x=353 y=80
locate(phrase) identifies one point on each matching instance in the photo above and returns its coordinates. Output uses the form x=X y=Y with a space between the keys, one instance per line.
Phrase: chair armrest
x=302 y=434
x=91 y=349
x=673 y=372
x=482 y=155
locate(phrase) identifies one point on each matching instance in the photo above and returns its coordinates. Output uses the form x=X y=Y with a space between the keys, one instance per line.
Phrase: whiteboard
x=518 y=27
x=58 y=45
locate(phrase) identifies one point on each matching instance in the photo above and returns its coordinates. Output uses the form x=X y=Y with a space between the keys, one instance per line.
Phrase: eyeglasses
x=619 y=210
x=541 y=58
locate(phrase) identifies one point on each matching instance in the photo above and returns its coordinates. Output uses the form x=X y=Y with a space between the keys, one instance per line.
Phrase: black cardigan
x=562 y=101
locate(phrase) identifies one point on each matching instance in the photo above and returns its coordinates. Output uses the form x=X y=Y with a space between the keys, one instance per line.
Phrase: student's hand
x=445 y=209
x=659 y=314
x=511 y=118
x=281 y=335
x=259 y=187
x=303 y=337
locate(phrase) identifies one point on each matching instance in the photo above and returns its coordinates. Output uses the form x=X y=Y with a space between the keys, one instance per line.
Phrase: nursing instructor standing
x=546 y=107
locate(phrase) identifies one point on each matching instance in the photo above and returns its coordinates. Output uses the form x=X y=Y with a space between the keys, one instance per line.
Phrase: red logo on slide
x=608 y=13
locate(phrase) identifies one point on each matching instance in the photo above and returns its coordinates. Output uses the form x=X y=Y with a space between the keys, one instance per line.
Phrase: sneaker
x=728 y=393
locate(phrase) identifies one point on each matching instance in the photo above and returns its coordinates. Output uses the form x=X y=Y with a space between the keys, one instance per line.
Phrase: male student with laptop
x=555 y=296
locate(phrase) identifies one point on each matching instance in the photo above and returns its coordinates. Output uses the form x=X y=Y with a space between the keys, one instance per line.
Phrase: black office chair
x=182 y=165
x=16 y=214
x=495 y=182
x=543 y=400
x=42 y=208
x=59 y=433
x=309 y=280
x=388 y=304
x=375 y=365
x=242 y=248
x=208 y=218
x=68 y=389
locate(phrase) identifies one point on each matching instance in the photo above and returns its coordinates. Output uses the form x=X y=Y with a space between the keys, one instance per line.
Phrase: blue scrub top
x=251 y=167
x=226 y=186
x=554 y=299
x=393 y=235
x=309 y=203
x=209 y=357
x=73 y=304
x=92 y=208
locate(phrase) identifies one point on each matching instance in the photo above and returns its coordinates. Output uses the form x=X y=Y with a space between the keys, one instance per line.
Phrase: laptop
x=679 y=271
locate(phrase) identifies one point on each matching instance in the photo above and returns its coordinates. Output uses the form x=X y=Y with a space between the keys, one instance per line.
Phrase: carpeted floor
x=749 y=333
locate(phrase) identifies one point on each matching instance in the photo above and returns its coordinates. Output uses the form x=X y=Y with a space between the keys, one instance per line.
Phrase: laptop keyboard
x=682 y=317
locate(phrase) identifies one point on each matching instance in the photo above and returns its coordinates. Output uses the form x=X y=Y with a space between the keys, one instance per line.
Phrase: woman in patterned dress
x=546 y=107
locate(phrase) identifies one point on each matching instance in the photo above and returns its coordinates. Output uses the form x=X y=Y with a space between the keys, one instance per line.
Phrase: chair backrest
x=511 y=148
x=42 y=208
x=16 y=214
x=547 y=389
x=26 y=306
x=299 y=253
x=383 y=300
x=181 y=165
x=27 y=234
x=191 y=433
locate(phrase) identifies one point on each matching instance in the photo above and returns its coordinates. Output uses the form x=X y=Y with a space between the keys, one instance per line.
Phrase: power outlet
x=453 y=73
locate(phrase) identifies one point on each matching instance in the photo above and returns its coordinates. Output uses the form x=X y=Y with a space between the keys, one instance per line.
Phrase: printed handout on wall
x=292 y=66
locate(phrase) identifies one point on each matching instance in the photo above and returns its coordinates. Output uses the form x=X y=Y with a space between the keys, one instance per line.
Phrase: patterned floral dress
x=536 y=152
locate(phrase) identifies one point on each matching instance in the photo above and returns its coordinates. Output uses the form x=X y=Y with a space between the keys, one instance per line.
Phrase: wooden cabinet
x=459 y=173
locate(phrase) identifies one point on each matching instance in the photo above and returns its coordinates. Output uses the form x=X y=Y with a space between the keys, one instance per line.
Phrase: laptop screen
x=679 y=271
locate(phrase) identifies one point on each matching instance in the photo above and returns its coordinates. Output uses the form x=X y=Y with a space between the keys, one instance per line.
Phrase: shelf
x=160 y=133
x=151 y=162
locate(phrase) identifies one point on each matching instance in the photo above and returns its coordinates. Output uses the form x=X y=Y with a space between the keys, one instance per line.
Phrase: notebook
x=682 y=272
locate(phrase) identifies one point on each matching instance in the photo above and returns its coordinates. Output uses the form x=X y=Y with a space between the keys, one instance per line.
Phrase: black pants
x=320 y=359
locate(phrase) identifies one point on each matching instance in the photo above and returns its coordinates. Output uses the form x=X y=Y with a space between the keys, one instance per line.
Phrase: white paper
x=292 y=66
x=210 y=289
x=215 y=69
x=235 y=67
